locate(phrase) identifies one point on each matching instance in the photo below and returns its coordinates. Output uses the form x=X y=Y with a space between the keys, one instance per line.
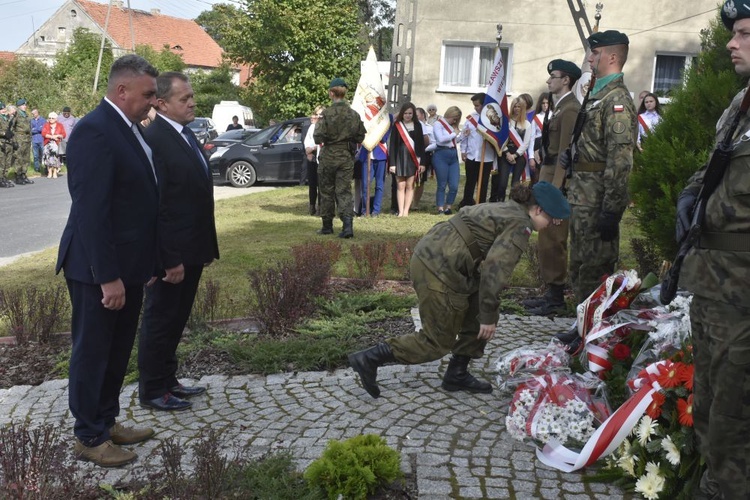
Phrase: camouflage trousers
x=335 y=182
x=449 y=321
x=590 y=257
x=6 y=161
x=721 y=397
x=22 y=157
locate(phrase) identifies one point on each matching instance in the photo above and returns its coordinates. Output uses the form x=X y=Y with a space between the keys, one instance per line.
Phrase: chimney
x=155 y=12
x=117 y=3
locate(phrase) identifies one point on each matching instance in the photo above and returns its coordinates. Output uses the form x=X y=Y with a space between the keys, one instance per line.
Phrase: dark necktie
x=194 y=144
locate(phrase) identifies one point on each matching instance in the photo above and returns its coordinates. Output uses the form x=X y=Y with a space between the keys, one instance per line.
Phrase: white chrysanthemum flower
x=627 y=463
x=650 y=485
x=673 y=453
x=652 y=468
x=646 y=428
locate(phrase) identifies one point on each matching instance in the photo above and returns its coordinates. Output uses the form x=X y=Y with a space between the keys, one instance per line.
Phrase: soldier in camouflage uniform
x=339 y=130
x=6 y=145
x=717 y=271
x=598 y=190
x=458 y=270
x=22 y=155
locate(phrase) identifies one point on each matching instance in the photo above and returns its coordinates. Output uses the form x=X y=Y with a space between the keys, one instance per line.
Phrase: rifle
x=545 y=128
x=578 y=128
x=711 y=179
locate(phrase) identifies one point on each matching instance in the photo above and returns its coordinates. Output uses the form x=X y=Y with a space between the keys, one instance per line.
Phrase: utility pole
x=101 y=48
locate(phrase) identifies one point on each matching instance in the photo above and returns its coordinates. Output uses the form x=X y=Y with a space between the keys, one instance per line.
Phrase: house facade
x=443 y=50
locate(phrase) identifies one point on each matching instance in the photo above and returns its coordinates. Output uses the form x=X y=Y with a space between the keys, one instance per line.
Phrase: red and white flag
x=370 y=102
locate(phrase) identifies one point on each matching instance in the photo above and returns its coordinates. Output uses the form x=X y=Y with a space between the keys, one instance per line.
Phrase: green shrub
x=681 y=143
x=355 y=468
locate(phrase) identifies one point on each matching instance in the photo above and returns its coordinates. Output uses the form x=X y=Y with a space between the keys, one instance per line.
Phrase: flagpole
x=367 y=184
x=481 y=167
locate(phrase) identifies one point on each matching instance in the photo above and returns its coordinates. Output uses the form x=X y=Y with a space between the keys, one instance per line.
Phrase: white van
x=225 y=110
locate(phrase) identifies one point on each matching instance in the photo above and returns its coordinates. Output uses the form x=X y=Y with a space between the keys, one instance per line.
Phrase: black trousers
x=165 y=314
x=312 y=182
x=102 y=342
x=471 y=168
x=500 y=181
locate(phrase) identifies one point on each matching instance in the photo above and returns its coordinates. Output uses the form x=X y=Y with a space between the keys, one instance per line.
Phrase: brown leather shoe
x=106 y=454
x=122 y=435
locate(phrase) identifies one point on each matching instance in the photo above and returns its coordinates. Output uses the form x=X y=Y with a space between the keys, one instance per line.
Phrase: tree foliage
x=218 y=20
x=211 y=88
x=378 y=17
x=163 y=60
x=680 y=145
x=30 y=79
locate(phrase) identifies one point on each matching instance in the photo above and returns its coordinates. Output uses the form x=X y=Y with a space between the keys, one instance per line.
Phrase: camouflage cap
x=565 y=66
x=338 y=82
x=21 y=102
x=606 y=38
x=551 y=200
x=732 y=11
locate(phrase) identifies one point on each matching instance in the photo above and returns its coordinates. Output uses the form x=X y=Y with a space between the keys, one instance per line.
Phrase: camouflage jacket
x=608 y=137
x=716 y=274
x=339 y=130
x=502 y=233
x=23 y=124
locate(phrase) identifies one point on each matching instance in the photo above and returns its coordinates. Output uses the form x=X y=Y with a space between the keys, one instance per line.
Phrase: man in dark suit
x=108 y=252
x=187 y=242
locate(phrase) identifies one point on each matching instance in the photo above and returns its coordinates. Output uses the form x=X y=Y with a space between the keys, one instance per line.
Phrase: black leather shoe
x=167 y=403
x=183 y=392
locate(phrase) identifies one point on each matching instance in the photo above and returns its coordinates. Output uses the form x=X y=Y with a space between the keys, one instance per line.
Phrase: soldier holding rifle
x=716 y=270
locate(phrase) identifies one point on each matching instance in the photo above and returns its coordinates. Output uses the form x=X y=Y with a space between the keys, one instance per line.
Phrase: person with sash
x=406 y=147
x=445 y=159
x=429 y=142
x=458 y=270
x=513 y=157
x=378 y=159
x=475 y=153
x=716 y=271
x=537 y=124
x=649 y=116
x=552 y=246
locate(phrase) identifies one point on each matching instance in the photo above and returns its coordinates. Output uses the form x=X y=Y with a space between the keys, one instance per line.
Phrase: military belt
x=726 y=242
x=465 y=233
x=598 y=166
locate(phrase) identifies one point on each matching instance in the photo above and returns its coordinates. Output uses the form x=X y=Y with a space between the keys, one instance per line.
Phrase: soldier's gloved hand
x=685 y=204
x=564 y=159
x=10 y=134
x=608 y=225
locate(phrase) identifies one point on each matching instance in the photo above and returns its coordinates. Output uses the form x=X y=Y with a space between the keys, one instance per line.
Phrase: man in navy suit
x=108 y=252
x=187 y=242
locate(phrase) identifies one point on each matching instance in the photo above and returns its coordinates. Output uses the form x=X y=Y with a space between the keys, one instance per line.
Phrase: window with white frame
x=466 y=66
x=669 y=70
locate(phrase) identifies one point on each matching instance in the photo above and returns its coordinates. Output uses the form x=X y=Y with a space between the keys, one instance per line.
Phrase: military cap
x=731 y=11
x=2 y=105
x=564 y=66
x=66 y=109
x=551 y=200
x=606 y=38
x=338 y=82
x=21 y=102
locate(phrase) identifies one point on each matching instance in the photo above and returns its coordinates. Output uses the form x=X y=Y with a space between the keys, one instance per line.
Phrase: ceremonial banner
x=370 y=102
x=493 y=119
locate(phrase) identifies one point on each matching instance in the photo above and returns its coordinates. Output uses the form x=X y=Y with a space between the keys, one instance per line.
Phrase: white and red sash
x=448 y=128
x=539 y=122
x=644 y=124
x=408 y=142
x=472 y=120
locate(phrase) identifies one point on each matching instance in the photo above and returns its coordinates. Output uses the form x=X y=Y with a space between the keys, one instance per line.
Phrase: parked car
x=228 y=138
x=274 y=154
x=204 y=129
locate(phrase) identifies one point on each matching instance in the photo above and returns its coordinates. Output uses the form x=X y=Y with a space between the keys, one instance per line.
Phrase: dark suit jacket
x=111 y=229
x=187 y=232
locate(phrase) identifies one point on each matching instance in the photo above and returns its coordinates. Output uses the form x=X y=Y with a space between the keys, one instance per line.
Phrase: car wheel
x=242 y=174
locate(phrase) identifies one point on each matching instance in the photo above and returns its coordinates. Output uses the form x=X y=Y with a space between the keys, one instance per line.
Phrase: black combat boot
x=366 y=364
x=554 y=302
x=327 y=227
x=571 y=341
x=6 y=183
x=458 y=378
x=348 y=231
x=22 y=179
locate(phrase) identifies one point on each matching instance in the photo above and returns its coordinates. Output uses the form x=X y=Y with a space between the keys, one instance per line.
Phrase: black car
x=274 y=154
x=228 y=139
x=204 y=129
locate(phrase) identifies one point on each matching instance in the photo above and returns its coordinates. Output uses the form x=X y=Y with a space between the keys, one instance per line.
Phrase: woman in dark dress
x=405 y=151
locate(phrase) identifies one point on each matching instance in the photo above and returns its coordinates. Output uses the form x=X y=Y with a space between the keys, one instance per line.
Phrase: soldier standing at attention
x=339 y=129
x=598 y=188
x=22 y=155
x=552 y=246
x=6 y=147
x=716 y=270
x=458 y=270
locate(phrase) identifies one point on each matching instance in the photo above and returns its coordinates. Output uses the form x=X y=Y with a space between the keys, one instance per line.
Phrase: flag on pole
x=370 y=102
x=494 y=122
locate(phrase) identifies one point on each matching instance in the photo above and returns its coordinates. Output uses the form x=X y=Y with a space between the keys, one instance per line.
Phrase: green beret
x=551 y=200
x=732 y=11
x=564 y=66
x=606 y=38
x=21 y=102
x=2 y=105
x=338 y=82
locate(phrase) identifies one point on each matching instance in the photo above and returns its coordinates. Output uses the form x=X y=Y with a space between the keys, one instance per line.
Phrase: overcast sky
x=18 y=18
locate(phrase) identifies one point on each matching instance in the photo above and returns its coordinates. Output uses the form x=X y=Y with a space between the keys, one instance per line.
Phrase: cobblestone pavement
x=455 y=443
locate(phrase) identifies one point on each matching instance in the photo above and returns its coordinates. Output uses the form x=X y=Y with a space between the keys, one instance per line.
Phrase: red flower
x=621 y=352
x=668 y=375
x=622 y=302
x=685 y=411
x=685 y=375
x=654 y=409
